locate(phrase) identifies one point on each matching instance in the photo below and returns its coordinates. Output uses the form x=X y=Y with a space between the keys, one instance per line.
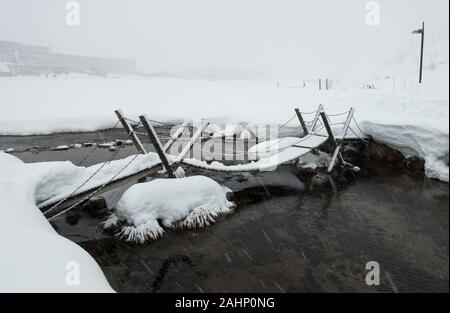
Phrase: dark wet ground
x=283 y=237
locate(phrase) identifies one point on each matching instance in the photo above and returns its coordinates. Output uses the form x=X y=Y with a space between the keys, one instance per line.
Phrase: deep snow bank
x=34 y=258
x=185 y=202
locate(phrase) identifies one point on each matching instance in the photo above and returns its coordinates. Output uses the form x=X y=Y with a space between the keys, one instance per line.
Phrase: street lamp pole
x=422 y=32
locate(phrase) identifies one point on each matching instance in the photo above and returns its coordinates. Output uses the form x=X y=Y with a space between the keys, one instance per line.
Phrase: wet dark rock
x=73 y=219
x=415 y=164
x=307 y=173
x=241 y=179
x=320 y=181
x=34 y=150
x=230 y=196
x=382 y=153
x=95 y=207
x=379 y=156
x=353 y=153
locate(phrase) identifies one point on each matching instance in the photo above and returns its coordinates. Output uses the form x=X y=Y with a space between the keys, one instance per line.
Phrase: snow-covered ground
x=415 y=119
x=34 y=258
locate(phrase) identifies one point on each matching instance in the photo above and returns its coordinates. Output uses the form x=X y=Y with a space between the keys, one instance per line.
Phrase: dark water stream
x=283 y=237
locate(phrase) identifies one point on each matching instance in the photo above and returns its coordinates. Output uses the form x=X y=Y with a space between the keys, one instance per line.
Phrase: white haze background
x=284 y=38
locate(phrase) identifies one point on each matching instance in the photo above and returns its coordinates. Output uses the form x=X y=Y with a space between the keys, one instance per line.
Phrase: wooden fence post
x=347 y=123
x=316 y=118
x=224 y=147
x=126 y=124
x=246 y=149
x=234 y=146
x=302 y=121
x=328 y=129
x=157 y=144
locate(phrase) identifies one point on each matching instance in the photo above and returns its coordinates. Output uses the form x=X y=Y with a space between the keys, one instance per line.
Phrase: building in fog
x=17 y=58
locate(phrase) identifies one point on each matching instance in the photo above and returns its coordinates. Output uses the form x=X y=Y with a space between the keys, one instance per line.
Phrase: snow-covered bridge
x=265 y=156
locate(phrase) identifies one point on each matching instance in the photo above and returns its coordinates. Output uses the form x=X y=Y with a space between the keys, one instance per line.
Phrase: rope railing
x=359 y=128
x=358 y=136
x=87 y=180
x=287 y=122
x=338 y=114
x=93 y=150
x=308 y=113
x=278 y=141
x=95 y=191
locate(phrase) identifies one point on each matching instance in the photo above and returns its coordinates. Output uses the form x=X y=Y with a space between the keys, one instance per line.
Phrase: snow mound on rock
x=185 y=202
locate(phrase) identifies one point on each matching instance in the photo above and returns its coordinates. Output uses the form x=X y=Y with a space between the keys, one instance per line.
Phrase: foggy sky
x=285 y=37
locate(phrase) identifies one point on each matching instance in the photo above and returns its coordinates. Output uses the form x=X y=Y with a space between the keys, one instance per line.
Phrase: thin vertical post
x=316 y=118
x=126 y=124
x=157 y=144
x=302 y=121
x=246 y=149
x=347 y=123
x=334 y=158
x=223 y=146
x=421 y=52
x=332 y=140
x=235 y=146
x=328 y=129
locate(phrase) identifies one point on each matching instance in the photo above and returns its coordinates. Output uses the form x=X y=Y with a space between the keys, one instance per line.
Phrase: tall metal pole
x=421 y=52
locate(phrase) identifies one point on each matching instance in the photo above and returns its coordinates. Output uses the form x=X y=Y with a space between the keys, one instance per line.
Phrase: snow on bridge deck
x=269 y=154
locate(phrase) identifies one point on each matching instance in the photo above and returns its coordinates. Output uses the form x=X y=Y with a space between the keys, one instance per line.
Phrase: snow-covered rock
x=185 y=202
x=106 y=145
x=62 y=147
